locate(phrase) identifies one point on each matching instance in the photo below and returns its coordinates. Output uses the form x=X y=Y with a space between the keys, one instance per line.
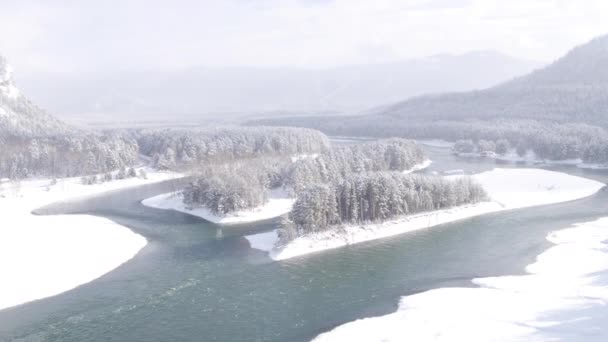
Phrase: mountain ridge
x=200 y=90
x=573 y=88
x=18 y=115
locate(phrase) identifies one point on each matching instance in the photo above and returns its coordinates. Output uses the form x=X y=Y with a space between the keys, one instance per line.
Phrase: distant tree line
x=181 y=148
x=65 y=155
x=122 y=173
x=547 y=139
x=70 y=152
x=375 y=197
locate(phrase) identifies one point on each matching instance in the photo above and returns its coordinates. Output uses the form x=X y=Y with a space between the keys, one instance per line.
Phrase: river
x=196 y=281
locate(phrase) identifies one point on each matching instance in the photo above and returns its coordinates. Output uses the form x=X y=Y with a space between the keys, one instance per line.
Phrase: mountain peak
x=571 y=89
x=18 y=116
x=586 y=64
x=598 y=46
x=7 y=86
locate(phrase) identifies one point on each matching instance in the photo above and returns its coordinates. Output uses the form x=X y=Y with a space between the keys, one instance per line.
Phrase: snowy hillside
x=573 y=88
x=7 y=88
x=35 y=143
x=18 y=116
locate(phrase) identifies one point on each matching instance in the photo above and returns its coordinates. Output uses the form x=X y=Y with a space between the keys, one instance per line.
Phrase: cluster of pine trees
x=171 y=148
x=122 y=173
x=375 y=197
x=236 y=185
x=225 y=187
x=341 y=161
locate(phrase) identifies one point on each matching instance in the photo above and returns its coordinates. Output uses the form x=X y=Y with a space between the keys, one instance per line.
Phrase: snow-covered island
x=507 y=188
x=41 y=256
x=224 y=196
x=279 y=203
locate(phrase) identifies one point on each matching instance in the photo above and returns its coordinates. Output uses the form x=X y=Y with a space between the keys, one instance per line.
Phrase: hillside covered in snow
x=35 y=143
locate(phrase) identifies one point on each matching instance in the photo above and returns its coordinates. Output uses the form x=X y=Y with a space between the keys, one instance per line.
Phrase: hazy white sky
x=78 y=35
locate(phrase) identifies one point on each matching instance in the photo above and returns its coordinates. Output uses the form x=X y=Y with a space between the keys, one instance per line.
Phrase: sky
x=109 y=35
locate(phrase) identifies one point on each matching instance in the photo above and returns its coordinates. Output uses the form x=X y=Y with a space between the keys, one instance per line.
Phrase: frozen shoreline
x=508 y=189
x=436 y=143
x=278 y=204
x=530 y=158
x=42 y=256
x=426 y=163
x=563 y=297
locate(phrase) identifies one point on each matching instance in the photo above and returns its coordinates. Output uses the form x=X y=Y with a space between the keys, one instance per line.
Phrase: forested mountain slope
x=18 y=116
x=559 y=112
x=192 y=92
x=572 y=89
x=35 y=143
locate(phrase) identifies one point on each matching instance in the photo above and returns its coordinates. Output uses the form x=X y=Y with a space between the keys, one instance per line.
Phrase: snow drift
x=41 y=256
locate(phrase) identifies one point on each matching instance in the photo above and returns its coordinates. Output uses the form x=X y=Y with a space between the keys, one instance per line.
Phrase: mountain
x=197 y=92
x=559 y=112
x=35 y=143
x=18 y=116
x=572 y=89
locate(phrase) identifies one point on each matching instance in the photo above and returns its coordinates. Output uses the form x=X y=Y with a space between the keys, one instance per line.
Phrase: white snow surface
x=531 y=158
x=263 y=241
x=278 y=204
x=10 y=90
x=6 y=82
x=436 y=143
x=454 y=172
x=563 y=297
x=507 y=188
x=41 y=256
x=426 y=163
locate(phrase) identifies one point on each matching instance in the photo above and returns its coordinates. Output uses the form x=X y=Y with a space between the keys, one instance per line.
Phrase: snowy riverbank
x=426 y=163
x=508 y=189
x=41 y=256
x=278 y=204
x=530 y=158
x=563 y=297
x=436 y=143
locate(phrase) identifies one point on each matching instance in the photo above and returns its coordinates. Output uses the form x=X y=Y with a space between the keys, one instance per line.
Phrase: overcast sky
x=80 y=35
